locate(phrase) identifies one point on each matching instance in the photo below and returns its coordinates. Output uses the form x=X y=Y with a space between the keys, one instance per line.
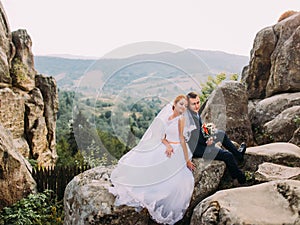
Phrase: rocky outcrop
x=285 y=59
x=7 y=49
x=48 y=88
x=28 y=108
x=272 y=79
x=16 y=181
x=257 y=73
x=29 y=102
x=274 y=62
x=22 y=70
x=276 y=202
x=87 y=200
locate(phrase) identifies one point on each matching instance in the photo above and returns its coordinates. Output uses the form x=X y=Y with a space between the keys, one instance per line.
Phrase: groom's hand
x=210 y=141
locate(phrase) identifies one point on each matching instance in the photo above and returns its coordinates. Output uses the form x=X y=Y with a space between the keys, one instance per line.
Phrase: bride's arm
x=169 y=149
x=189 y=163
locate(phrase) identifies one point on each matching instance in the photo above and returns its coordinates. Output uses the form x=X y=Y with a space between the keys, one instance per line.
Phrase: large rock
x=277 y=109
x=36 y=129
x=207 y=177
x=12 y=111
x=270 y=171
x=7 y=49
x=267 y=109
x=284 y=75
x=16 y=181
x=227 y=107
x=257 y=73
x=283 y=126
x=87 y=200
x=49 y=91
x=276 y=202
x=281 y=153
x=28 y=102
x=274 y=63
x=272 y=76
x=22 y=68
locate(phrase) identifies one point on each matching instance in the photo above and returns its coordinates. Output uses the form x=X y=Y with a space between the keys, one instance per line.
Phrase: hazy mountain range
x=70 y=71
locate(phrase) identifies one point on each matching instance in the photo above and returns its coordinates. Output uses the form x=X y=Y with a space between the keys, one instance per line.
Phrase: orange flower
x=205 y=129
x=208 y=130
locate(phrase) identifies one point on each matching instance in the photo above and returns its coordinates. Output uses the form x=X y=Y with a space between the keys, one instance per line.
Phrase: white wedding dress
x=145 y=177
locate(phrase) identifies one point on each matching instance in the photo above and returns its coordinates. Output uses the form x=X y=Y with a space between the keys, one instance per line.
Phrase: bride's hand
x=190 y=165
x=169 y=151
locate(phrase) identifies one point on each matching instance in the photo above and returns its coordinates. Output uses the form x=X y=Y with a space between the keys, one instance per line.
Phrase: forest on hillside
x=98 y=132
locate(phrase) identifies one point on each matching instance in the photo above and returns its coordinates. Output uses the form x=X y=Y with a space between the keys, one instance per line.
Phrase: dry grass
x=286 y=15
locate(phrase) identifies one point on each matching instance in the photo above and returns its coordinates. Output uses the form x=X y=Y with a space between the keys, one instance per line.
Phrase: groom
x=202 y=147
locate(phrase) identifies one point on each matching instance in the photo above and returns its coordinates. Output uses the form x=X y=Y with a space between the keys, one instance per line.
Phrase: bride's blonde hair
x=177 y=99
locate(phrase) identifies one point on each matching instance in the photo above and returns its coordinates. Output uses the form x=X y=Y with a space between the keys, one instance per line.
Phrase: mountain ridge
x=67 y=69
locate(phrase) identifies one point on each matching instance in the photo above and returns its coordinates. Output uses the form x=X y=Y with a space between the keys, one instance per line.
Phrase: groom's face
x=194 y=104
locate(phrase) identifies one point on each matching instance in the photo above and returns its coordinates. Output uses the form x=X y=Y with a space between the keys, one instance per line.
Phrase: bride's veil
x=140 y=173
x=156 y=131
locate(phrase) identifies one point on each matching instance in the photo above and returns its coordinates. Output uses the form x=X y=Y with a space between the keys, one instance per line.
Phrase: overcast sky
x=97 y=27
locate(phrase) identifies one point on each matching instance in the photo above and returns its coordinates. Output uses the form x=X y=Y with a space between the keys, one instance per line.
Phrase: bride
x=157 y=173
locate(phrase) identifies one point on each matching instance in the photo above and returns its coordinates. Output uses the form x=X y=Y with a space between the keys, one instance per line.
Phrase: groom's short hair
x=192 y=95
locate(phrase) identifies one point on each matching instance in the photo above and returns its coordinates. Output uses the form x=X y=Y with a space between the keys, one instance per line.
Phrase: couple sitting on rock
x=157 y=174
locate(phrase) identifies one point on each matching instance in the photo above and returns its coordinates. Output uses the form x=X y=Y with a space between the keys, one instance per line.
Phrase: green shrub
x=19 y=70
x=40 y=209
x=212 y=83
x=297 y=120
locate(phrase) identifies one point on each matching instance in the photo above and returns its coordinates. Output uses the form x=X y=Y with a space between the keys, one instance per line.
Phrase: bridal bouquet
x=208 y=130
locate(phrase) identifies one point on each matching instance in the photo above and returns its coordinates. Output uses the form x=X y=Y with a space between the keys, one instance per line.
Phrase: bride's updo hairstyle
x=177 y=99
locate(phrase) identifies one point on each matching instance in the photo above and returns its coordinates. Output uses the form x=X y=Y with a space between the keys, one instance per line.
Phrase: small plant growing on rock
x=19 y=70
x=262 y=136
x=297 y=120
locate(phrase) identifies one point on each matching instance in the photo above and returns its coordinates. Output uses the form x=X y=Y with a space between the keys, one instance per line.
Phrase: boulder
x=263 y=111
x=16 y=181
x=270 y=171
x=284 y=73
x=88 y=201
x=276 y=202
x=257 y=73
x=227 y=107
x=274 y=119
x=274 y=62
x=283 y=126
x=281 y=153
